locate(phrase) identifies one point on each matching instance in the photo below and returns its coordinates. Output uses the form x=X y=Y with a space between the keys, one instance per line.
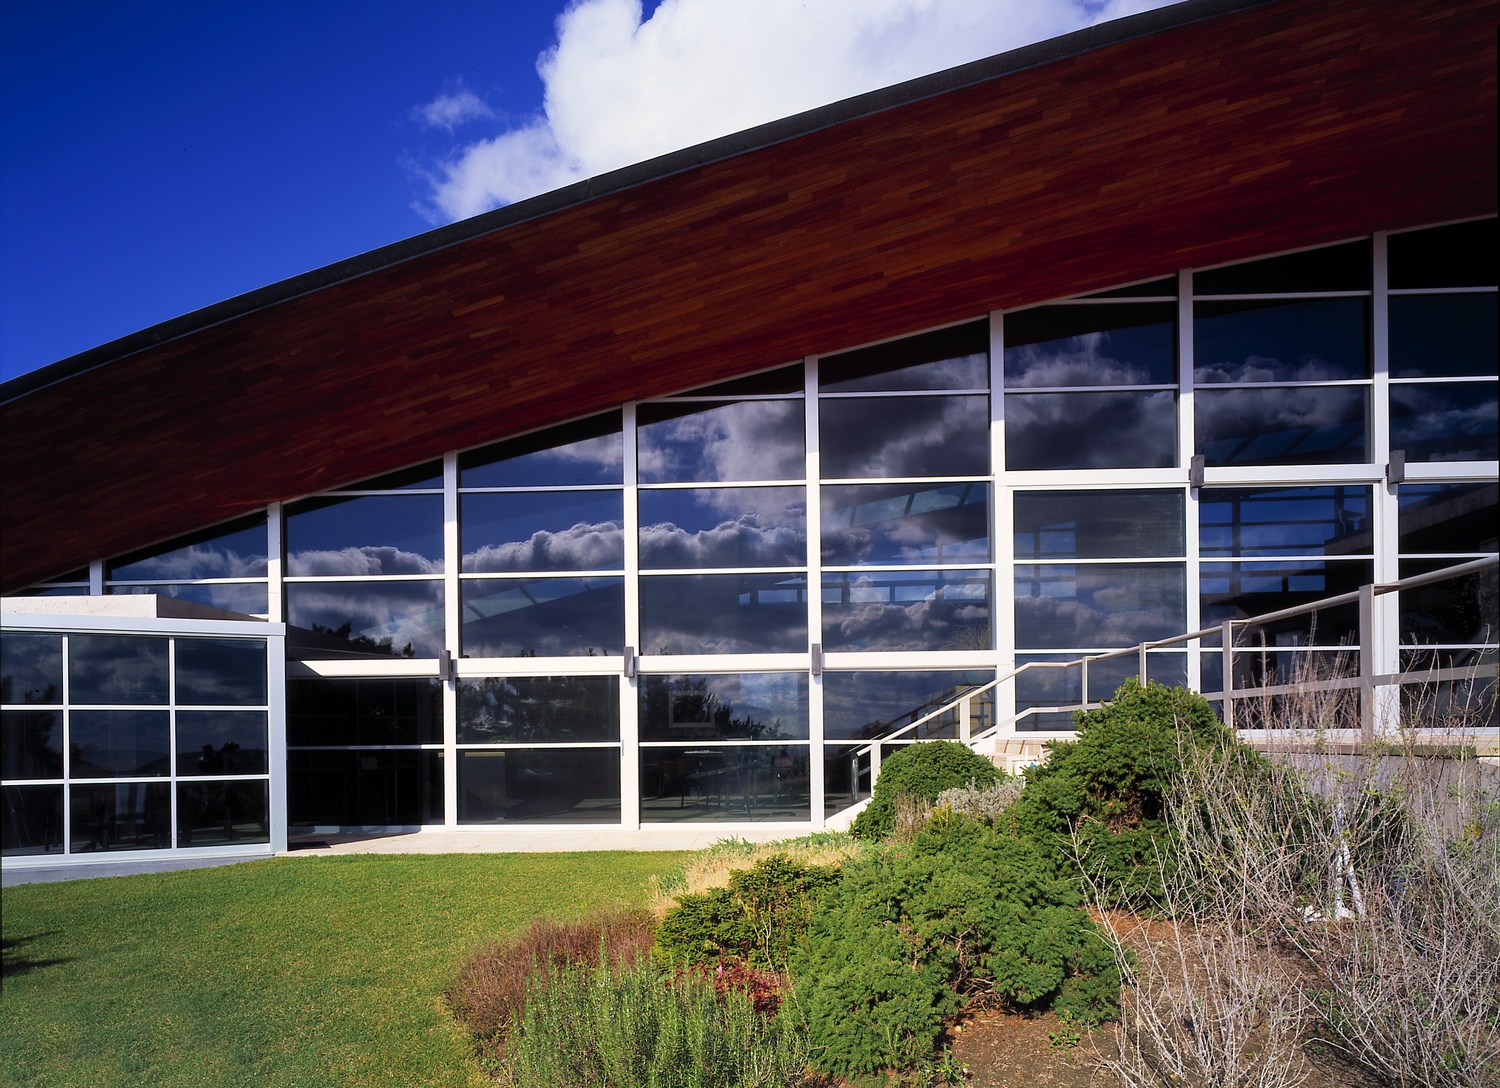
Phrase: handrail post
x=1226 y=642
x=965 y=728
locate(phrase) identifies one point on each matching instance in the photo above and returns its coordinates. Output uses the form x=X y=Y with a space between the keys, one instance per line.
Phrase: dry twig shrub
x=710 y=869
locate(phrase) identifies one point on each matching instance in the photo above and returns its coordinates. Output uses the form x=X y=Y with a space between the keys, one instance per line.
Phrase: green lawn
x=295 y=972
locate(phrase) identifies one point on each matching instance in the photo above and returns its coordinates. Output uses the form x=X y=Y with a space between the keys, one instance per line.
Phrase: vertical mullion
x=172 y=741
x=1186 y=445
x=1384 y=651
x=1002 y=535
x=816 y=768
x=275 y=599
x=630 y=732
x=67 y=746
x=452 y=637
x=276 y=739
x=96 y=577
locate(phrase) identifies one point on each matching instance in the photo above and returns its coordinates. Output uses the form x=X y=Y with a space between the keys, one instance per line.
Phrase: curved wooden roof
x=1203 y=133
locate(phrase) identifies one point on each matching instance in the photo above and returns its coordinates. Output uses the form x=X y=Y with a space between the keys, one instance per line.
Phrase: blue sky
x=164 y=155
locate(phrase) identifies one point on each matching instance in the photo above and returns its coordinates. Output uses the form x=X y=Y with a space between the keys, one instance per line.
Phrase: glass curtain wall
x=705 y=606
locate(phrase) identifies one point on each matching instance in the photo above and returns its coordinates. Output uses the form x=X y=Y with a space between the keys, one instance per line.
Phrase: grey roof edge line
x=1088 y=39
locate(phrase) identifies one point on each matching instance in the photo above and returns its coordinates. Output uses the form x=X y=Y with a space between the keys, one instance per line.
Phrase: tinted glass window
x=223 y=813
x=741 y=440
x=375 y=534
x=1302 y=426
x=31 y=820
x=31 y=668
x=1091 y=345
x=1162 y=288
x=1284 y=521
x=1098 y=524
x=31 y=744
x=221 y=671
x=1106 y=605
x=418 y=477
x=1446 y=421
x=221 y=742
x=1443 y=336
x=364 y=789
x=119 y=743
x=1305 y=341
x=724 y=527
x=542 y=531
x=539 y=709
x=789 y=379
x=706 y=783
x=408 y=710
x=734 y=706
x=956 y=358
x=246 y=598
x=590 y=451
x=117 y=669
x=863 y=705
x=723 y=613
x=904 y=436
x=1448 y=518
x=543 y=617
x=905 y=523
x=907 y=610
x=1462 y=255
x=1090 y=430
x=137 y=816
x=237 y=550
x=1457 y=611
x=1333 y=268
x=401 y=619
x=1240 y=590
x=547 y=786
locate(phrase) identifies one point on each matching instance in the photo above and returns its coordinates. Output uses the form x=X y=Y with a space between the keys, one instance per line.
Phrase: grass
x=295 y=972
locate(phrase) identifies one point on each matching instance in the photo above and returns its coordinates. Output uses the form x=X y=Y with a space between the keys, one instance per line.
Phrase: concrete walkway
x=437 y=840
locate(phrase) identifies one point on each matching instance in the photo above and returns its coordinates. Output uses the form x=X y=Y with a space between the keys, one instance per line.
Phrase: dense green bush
x=1109 y=787
x=923 y=771
x=913 y=931
x=764 y=912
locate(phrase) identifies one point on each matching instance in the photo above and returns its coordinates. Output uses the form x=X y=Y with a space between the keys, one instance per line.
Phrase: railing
x=1377 y=703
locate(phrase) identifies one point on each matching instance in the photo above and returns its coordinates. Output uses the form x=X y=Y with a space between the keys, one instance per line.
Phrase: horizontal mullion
x=708 y=398
x=373 y=579
x=1021 y=390
x=352 y=493
x=977 y=565
x=684 y=485
x=259 y=579
x=423 y=747
x=903 y=393
x=535 y=746
x=843 y=480
x=532 y=575
x=1282 y=296
x=1394 y=291
x=1202 y=387
x=1446 y=379
x=651 y=572
x=1123 y=301
x=1095 y=561
x=723 y=743
x=535 y=488
x=1356 y=557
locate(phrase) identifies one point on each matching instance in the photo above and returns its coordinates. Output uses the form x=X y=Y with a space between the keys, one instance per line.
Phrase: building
x=653 y=498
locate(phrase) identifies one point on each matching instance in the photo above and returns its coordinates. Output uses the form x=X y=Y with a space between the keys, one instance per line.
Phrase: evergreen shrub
x=923 y=771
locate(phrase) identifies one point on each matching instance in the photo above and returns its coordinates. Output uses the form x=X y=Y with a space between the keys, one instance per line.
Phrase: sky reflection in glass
x=542 y=531
x=723 y=527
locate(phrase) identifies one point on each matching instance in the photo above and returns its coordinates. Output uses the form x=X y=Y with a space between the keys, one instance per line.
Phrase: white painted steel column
x=1002 y=537
x=275 y=566
x=452 y=637
x=1384 y=651
x=816 y=763
x=96 y=578
x=1186 y=442
x=630 y=703
x=276 y=736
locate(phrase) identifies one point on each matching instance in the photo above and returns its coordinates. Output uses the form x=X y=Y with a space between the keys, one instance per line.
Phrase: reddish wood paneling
x=1281 y=126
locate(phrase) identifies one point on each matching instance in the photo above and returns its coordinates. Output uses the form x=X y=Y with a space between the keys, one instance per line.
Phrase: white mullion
x=1380 y=358
x=275 y=566
x=1385 y=650
x=1002 y=522
x=172 y=741
x=816 y=777
x=67 y=745
x=1187 y=441
x=96 y=577
x=276 y=739
x=452 y=636
x=630 y=730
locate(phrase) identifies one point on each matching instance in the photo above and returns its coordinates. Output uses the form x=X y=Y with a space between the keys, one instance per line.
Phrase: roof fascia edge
x=1101 y=35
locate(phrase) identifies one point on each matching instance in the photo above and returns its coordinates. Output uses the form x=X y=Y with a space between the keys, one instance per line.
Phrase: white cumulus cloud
x=620 y=88
x=448 y=111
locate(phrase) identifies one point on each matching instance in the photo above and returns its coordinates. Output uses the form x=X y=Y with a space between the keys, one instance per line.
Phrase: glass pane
x=343 y=619
x=1446 y=421
x=1332 y=268
x=1090 y=430
x=787 y=379
x=408 y=710
x=223 y=813
x=1316 y=340
x=542 y=531
x=221 y=742
x=363 y=789
x=1253 y=521
x=119 y=743
x=1256 y=665
x=1457 y=611
x=31 y=820
x=907 y=610
x=724 y=527
x=1440 y=336
x=1300 y=426
x=52 y=591
x=904 y=436
x=957 y=358
x=1064 y=686
x=1449 y=518
x=1167 y=286
x=590 y=451
x=864 y=705
x=1098 y=524
x=724 y=614
x=31 y=744
x=539 y=709
x=846 y=777
x=249 y=599
x=376 y=534
x=237 y=550
x=221 y=672
x=30 y=668
x=1461 y=255
x=741 y=440
x=543 y=617
x=708 y=783
x=117 y=669
x=545 y=786
x=1240 y=590
x=1099 y=606
x=418 y=477
x=123 y=816
x=733 y=706
x=906 y=523
x=1053 y=346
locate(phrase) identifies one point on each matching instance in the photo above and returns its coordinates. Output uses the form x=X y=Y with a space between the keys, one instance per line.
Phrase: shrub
x=920 y=770
x=964 y=909
x=490 y=989
x=988 y=804
x=764 y=912
x=634 y=1025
